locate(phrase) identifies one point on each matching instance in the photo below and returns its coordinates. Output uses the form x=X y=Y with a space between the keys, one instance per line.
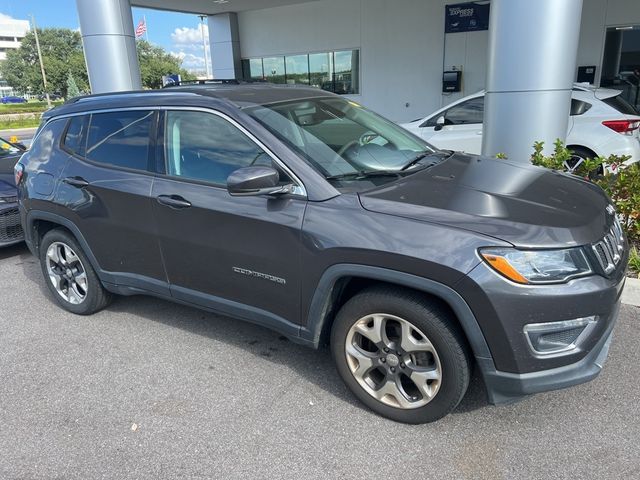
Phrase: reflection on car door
x=462 y=130
x=222 y=251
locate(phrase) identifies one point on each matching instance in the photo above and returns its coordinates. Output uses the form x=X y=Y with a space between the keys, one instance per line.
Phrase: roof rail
x=211 y=81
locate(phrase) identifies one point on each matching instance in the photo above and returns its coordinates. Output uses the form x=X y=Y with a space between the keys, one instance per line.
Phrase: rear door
x=462 y=130
x=223 y=251
x=106 y=192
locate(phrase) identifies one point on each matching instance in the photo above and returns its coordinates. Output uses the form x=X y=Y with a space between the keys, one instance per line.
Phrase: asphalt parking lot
x=149 y=389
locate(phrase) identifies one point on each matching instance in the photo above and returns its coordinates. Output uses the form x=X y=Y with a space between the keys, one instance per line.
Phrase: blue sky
x=178 y=33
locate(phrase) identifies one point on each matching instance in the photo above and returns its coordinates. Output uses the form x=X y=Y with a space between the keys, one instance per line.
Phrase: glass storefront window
x=337 y=72
x=321 y=70
x=255 y=68
x=345 y=78
x=297 y=69
x=274 y=69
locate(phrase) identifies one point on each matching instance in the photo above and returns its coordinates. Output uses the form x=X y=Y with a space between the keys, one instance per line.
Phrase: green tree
x=62 y=56
x=63 y=59
x=72 y=86
x=156 y=62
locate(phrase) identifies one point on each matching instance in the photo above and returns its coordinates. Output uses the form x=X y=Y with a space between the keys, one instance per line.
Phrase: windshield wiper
x=365 y=174
x=423 y=155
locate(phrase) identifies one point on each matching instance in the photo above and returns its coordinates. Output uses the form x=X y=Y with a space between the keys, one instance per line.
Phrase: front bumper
x=512 y=368
x=10 y=225
x=505 y=387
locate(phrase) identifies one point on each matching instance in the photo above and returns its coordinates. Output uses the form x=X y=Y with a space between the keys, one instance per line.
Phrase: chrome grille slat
x=609 y=250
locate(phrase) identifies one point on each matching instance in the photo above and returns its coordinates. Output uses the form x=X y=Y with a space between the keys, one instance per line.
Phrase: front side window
x=339 y=137
x=120 y=139
x=205 y=147
x=469 y=112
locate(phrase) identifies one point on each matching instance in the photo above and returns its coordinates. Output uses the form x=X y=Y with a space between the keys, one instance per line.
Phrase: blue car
x=10 y=228
x=12 y=99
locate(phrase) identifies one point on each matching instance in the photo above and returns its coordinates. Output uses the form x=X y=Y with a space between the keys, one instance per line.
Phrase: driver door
x=223 y=251
x=462 y=130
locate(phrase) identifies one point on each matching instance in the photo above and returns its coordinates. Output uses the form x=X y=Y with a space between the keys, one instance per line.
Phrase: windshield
x=338 y=137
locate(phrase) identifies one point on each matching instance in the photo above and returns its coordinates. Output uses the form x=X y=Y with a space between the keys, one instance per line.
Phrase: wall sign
x=466 y=17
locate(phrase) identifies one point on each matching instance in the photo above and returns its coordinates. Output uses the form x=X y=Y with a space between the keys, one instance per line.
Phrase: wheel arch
x=582 y=147
x=334 y=289
x=38 y=223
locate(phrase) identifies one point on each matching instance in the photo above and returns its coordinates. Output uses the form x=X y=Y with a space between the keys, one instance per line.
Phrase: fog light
x=558 y=337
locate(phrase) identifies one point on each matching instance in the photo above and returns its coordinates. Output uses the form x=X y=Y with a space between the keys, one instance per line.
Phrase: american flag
x=141 y=29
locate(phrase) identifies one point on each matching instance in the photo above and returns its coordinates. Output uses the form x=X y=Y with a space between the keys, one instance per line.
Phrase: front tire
x=69 y=274
x=401 y=354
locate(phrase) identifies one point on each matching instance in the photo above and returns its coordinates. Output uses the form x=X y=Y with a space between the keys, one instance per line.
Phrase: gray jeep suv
x=304 y=212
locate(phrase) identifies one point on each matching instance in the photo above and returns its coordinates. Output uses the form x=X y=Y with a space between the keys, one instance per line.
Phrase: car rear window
x=621 y=105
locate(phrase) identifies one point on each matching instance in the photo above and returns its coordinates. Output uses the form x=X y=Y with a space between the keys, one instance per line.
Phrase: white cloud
x=186 y=37
x=187 y=46
x=190 y=61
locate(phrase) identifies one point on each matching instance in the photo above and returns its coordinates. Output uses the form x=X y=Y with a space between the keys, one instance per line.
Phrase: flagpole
x=146 y=28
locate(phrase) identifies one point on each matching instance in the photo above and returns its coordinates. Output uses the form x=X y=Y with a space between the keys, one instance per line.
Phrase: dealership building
x=392 y=56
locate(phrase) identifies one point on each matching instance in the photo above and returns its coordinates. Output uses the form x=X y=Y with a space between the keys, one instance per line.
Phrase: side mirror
x=256 y=181
x=439 y=123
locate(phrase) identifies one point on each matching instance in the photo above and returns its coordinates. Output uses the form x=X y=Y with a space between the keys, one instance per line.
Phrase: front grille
x=10 y=227
x=609 y=250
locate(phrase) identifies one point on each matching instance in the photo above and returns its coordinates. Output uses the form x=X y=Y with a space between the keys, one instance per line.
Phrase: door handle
x=479 y=133
x=76 y=182
x=173 y=201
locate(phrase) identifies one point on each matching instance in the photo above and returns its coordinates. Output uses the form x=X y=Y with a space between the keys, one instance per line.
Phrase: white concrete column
x=109 y=45
x=224 y=42
x=533 y=46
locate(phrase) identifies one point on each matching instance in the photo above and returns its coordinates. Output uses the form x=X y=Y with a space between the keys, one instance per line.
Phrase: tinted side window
x=203 y=146
x=75 y=136
x=120 y=138
x=465 y=113
x=578 y=107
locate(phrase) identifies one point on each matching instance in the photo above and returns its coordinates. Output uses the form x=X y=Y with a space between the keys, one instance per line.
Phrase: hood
x=525 y=205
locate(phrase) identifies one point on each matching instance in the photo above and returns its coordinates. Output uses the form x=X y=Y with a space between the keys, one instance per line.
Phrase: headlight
x=537 y=266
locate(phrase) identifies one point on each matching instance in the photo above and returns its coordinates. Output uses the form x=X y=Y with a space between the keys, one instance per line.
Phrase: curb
x=631 y=292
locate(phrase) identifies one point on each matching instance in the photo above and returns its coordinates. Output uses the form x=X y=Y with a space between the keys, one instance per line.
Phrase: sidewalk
x=631 y=293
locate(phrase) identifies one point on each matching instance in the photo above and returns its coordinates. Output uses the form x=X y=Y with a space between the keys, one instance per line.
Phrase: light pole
x=204 y=45
x=44 y=76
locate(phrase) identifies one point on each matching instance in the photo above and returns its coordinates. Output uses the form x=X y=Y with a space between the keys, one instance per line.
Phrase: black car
x=300 y=210
x=10 y=227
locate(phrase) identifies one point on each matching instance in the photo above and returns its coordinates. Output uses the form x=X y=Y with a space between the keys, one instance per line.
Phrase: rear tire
x=401 y=354
x=69 y=274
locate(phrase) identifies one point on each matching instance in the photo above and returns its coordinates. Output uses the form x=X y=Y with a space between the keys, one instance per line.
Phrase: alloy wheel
x=393 y=361
x=67 y=273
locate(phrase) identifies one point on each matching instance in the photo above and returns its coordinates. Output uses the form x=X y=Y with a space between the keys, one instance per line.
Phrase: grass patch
x=634 y=261
x=29 y=107
x=19 y=123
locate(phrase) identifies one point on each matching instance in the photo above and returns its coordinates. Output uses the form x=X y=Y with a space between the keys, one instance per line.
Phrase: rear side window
x=121 y=139
x=621 y=105
x=578 y=107
x=74 y=138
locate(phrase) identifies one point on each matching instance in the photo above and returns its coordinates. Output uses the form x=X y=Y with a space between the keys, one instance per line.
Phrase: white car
x=602 y=123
